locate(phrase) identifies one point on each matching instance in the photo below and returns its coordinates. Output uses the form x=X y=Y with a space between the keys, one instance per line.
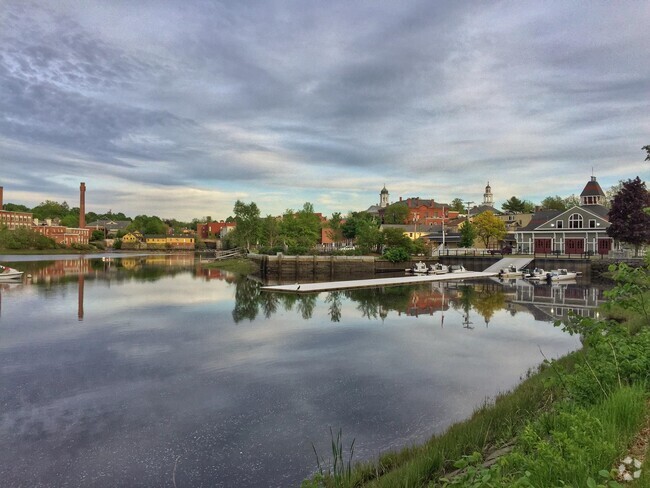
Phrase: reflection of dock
x=372 y=283
x=559 y=300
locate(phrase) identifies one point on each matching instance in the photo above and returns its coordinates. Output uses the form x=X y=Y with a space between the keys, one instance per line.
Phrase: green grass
x=491 y=425
x=238 y=266
x=571 y=423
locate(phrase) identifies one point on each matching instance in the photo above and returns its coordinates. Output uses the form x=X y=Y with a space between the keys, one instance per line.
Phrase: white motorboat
x=510 y=272
x=439 y=268
x=561 y=275
x=10 y=274
x=536 y=274
x=418 y=268
x=457 y=268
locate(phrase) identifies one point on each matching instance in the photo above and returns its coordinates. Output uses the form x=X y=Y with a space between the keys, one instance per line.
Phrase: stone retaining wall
x=285 y=269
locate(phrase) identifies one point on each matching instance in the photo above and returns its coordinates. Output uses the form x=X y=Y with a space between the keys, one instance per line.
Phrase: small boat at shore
x=457 y=268
x=561 y=275
x=9 y=274
x=418 y=268
x=438 y=268
x=510 y=272
x=536 y=274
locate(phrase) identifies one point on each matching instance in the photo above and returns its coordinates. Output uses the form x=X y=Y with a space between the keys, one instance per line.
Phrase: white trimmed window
x=575 y=221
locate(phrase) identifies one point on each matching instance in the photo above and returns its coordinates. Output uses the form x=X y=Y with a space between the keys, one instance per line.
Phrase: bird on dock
x=298 y=287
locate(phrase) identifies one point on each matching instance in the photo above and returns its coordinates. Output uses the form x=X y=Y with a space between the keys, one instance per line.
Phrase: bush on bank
x=568 y=425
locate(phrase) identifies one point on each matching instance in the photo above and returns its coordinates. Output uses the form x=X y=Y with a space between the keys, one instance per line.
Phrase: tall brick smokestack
x=1 y=191
x=82 y=205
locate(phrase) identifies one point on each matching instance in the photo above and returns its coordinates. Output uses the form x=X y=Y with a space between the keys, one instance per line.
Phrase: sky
x=180 y=108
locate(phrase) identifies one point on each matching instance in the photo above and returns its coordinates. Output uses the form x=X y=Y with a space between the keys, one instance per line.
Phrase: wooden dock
x=375 y=282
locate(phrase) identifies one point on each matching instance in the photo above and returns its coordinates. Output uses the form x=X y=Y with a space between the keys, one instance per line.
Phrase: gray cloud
x=236 y=96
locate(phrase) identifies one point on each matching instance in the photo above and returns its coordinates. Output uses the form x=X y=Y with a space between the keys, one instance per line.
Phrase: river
x=149 y=371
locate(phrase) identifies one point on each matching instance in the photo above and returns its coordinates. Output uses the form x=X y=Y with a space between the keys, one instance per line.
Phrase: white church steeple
x=488 y=199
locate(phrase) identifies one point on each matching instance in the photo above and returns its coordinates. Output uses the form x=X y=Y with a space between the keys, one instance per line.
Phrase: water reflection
x=545 y=301
x=180 y=369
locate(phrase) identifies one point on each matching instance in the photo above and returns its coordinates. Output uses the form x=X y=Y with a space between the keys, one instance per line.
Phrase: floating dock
x=375 y=282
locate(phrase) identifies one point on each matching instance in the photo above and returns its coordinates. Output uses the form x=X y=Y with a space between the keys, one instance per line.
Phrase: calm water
x=146 y=371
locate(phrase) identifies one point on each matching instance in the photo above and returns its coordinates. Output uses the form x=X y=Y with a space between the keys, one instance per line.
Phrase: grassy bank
x=569 y=424
x=239 y=266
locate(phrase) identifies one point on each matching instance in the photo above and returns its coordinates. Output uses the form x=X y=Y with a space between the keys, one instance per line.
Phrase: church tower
x=383 y=197
x=593 y=194
x=488 y=199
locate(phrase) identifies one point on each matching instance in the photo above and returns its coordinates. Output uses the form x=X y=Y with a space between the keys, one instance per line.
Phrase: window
x=592 y=224
x=575 y=221
x=559 y=224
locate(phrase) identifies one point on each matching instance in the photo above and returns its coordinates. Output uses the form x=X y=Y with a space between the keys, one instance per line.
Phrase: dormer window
x=575 y=221
x=559 y=224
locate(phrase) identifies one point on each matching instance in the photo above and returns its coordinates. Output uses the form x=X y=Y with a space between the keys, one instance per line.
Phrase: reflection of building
x=558 y=301
x=426 y=302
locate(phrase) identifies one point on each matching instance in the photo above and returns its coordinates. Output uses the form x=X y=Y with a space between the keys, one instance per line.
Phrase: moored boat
x=510 y=272
x=439 y=268
x=418 y=268
x=10 y=274
x=457 y=268
x=536 y=274
x=561 y=275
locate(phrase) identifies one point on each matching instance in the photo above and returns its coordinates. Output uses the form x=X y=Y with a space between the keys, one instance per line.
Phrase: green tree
x=24 y=238
x=50 y=210
x=647 y=150
x=335 y=227
x=396 y=238
x=397 y=213
x=355 y=221
x=457 y=205
x=554 y=203
x=397 y=255
x=489 y=227
x=369 y=238
x=71 y=220
x=611 y=193
x=514 y=204
x=629 y=222
x=467 y=234
x=12 y=207
x=148 y=225
x=270 y=231
x=97 y=235
x=301 y=230
x=247 y=218
x=572 y=201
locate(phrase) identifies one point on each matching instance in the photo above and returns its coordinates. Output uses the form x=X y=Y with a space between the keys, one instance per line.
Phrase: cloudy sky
x=179 y=108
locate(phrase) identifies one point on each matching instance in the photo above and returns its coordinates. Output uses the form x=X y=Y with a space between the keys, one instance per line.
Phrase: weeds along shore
x=579 y=421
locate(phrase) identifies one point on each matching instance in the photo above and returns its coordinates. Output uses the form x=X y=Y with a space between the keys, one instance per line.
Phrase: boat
x=10 y=274
x=418 y=268
x=439 y=268
x=536 y=274
x=561 y=275
x=457 y=268
x=509 y=272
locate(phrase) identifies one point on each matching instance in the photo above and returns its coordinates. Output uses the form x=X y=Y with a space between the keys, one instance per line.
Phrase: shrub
x=397 y=255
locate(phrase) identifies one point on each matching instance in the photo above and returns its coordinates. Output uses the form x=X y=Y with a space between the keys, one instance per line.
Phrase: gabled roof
x=599 y=210
x=484 y=208
x=540 y=218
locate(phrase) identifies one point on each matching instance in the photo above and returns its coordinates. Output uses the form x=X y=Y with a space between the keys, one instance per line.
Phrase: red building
x=427 y=211
x=64 y=235
x=214 y=229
